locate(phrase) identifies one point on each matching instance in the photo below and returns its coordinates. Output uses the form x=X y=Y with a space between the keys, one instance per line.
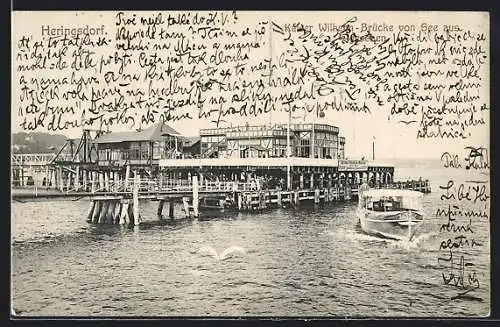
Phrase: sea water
x=309 y=261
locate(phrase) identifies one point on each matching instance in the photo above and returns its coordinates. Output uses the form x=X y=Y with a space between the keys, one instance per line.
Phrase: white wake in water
x=417 y=242
x=359 y=236
x=227 y=253
x=355 y=236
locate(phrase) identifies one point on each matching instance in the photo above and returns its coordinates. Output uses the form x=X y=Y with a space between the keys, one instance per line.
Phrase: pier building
x=139 y=149
x=279 y=155
x=264 y=141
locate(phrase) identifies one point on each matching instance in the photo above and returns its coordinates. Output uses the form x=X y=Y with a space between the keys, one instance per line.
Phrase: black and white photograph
x=250 y=164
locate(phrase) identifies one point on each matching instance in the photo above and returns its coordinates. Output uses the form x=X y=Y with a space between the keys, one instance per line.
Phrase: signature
x=476 y=158
x=460 y=275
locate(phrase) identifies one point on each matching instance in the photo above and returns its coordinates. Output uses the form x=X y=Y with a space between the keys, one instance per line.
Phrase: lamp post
x=288 y=151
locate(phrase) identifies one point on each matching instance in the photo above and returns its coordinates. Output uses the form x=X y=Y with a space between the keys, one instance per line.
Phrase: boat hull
x=399 y=225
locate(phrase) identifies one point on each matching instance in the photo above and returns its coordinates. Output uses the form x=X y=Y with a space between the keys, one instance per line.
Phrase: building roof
x=257 y=147
x=190 y=140
x=152 y=133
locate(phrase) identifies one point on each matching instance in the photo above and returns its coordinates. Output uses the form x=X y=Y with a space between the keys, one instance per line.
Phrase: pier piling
x=60 y=181
x=130 y=213
x=124 y=216
x=111 y=212
x=97 y=211
x=116 y=214
x=90 y=211
x=240 y=201
x=185 y=203
x=76 y=183
x=171 y=209
x=196 y=199
x=160 y=209
x=104 y=210
x=68 y=180
x=137 y=182
x=296 y=198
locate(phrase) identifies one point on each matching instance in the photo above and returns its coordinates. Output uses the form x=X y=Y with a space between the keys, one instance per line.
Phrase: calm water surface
x=310 y=261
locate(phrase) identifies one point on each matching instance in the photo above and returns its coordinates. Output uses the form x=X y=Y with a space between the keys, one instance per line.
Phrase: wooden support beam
x=84 y=176
x=60 y=182
x=68 y=181
x=77 y=178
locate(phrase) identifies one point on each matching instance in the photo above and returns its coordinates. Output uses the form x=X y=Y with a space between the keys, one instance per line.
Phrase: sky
x=392 y=139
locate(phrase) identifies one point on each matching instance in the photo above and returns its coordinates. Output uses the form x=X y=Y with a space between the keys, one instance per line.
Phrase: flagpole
x=373 y=149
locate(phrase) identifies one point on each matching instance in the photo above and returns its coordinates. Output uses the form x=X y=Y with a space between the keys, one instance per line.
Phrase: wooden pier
x=121 y=206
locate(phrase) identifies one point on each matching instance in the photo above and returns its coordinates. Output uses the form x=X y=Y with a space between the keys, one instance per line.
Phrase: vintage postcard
x=250 y=163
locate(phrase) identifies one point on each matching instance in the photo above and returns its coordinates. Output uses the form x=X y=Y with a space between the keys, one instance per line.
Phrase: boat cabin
x=391 y=200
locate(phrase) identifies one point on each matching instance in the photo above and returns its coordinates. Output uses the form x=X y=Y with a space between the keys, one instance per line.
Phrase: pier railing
x=185 y=185
x=32 y=159
x=159 y=186
x=206 y=185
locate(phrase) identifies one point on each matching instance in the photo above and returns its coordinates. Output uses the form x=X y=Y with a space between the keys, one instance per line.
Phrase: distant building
x=306 y=141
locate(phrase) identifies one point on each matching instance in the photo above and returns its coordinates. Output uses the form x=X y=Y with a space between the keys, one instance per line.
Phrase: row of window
x=133 y=154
